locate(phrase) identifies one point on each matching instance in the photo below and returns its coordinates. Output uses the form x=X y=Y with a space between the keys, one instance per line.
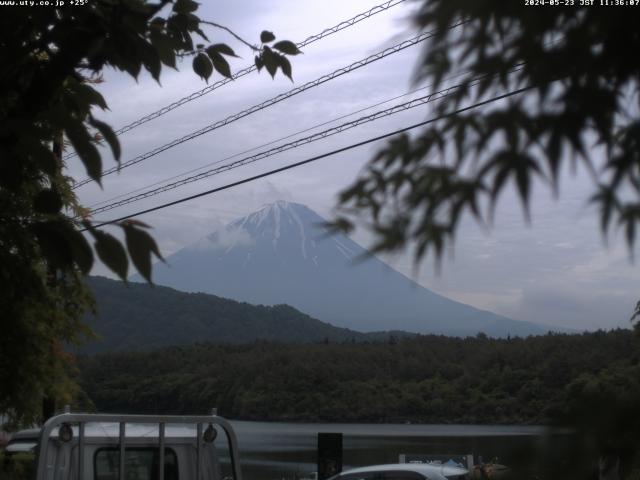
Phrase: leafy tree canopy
x=51 y=57
x=578 y=79
x=581 y=75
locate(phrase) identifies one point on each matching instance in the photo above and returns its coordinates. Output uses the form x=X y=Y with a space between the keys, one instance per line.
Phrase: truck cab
x=131 y=447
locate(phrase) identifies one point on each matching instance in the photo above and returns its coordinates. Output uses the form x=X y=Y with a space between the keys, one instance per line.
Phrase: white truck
x=130 y=447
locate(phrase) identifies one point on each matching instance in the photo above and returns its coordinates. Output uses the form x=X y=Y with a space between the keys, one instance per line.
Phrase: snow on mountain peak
x=269 y=211
x=273 y=219
x=284 y=228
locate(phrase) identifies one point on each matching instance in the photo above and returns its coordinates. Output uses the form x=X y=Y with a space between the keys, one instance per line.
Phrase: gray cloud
x=224 y=239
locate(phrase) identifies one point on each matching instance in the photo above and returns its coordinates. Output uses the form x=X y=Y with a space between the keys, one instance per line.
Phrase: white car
x=404 y=471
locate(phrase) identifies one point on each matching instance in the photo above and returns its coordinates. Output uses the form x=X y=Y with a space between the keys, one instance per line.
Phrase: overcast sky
x=555 y=271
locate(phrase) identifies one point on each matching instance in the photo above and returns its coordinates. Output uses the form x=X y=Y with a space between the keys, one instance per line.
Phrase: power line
x=286 y=137
x=250 y=68
x=272 y=101
x=113 y=202
x=315 y=158
x=283 y=148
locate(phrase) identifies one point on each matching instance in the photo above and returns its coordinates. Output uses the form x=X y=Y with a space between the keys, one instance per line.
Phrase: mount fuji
x=281 y=255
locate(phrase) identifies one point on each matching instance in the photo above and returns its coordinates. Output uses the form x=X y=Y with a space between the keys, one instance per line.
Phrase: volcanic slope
x=281 y=254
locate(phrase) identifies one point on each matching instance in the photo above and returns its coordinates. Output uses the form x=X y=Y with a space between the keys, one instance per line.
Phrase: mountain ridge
x=134 y=317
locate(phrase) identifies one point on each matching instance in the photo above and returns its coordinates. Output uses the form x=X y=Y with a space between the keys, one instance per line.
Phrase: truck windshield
x=140 y=464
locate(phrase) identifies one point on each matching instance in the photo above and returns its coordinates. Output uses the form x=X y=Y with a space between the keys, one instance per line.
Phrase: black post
x=48 y=407
x=329 y=455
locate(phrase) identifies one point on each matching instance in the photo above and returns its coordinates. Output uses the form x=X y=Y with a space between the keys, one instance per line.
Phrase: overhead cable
x=282 y=148
x=257 y=147
x=113 y=201
x=277 y=99
x=250 y=68
x=315 y=158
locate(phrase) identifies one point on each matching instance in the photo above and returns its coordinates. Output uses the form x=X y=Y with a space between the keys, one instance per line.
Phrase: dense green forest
x=422 y=379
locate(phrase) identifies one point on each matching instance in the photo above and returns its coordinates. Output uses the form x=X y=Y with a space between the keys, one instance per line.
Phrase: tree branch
x=235 y=35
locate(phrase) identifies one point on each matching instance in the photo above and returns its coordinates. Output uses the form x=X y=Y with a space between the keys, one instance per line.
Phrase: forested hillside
x=424 y=379
x=141 y=317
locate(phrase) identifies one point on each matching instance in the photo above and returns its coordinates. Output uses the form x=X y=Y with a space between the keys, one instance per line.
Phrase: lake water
x=270 y=451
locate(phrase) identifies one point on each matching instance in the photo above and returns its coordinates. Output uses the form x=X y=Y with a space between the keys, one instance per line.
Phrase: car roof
x=23 y=441
x=20 y=447
x=430 y=470
x=25 y=434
